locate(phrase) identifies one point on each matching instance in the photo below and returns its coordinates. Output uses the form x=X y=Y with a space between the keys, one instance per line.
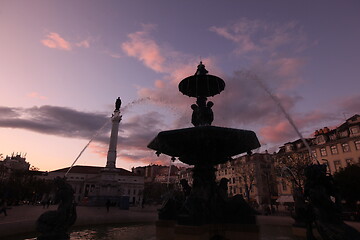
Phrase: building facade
x=158 y=174
x=337 y=148
x=94 y=186
x=251 y=176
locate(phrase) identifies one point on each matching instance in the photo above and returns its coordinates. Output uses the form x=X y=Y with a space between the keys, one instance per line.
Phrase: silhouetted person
x=223 y=189
x=48 y=203
x=185 y=187
x=108 y=203
x=3 y=206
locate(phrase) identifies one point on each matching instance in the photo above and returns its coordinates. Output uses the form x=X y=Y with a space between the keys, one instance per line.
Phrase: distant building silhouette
x=16 y=162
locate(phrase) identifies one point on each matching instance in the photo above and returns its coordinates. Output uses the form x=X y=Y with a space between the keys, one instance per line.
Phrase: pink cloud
x=277 y=133
x=287 y=70
x=36 y=96
x=84 y=44
x=350 y=105
x=145 y=49
x=287 y=67
x=114 y=55
x=159 y=58
x=260 y=36
x=54 y=40
x=159 y=84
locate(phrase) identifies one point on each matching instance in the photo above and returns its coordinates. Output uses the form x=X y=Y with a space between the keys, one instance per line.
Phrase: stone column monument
x=115 y=119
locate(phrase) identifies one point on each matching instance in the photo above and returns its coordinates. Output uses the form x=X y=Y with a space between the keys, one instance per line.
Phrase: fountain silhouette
x=204 y=146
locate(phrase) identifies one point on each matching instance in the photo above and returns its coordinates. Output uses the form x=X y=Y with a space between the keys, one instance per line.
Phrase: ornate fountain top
x=203 y=143
x=201 y=69
x=201 y=84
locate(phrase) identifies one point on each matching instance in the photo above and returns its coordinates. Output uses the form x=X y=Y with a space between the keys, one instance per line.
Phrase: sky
x=64 y=63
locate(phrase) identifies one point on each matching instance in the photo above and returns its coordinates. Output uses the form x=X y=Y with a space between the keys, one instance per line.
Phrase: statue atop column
x=118 y=104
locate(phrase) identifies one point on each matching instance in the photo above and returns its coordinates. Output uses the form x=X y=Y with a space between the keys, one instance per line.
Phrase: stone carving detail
x=202 y=113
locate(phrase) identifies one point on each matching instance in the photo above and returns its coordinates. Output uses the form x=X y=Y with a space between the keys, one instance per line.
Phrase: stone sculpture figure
x=117 y=104
x=55 y=224
x=202 y=112
x=326 y=214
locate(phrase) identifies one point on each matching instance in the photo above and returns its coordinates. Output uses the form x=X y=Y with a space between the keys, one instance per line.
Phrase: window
x=333 y=137
x=354 y=130
x=334 y=150
x=344 y=134
x=320 y=139
x=323 y=152
x=289 y=148
x=283 y=184
x=349 y=161
x=337 y=165
x=357 y=145
x=345 y=147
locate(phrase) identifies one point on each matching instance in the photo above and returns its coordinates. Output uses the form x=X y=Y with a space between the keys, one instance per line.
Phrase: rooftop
x=92 y=170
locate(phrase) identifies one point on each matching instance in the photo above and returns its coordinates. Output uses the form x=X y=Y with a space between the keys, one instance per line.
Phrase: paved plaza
x=21 y=219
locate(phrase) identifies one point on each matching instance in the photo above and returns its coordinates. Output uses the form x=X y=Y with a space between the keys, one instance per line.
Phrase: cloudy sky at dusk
x=64 y=63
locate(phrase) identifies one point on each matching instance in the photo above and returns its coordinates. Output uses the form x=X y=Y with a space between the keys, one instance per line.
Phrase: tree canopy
x=348 y=180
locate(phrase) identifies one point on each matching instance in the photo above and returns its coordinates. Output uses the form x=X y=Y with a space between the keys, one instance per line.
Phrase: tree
x=33 y=168
x=291 y=166
x=245 y=171
x=347 y=180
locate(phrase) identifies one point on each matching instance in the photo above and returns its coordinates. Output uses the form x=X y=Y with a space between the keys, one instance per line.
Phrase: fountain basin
x=215 y=144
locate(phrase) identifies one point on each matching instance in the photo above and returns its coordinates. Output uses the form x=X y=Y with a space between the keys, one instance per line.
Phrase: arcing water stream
x=93 y=137
x=287 y=116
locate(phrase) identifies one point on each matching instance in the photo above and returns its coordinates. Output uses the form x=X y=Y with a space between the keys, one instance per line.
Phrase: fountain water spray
x=136 y=101
x=287 y=116
x=93 y=137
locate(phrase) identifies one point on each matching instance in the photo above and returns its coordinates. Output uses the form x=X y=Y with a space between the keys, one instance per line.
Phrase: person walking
x=108 y=203
x=3 y=206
